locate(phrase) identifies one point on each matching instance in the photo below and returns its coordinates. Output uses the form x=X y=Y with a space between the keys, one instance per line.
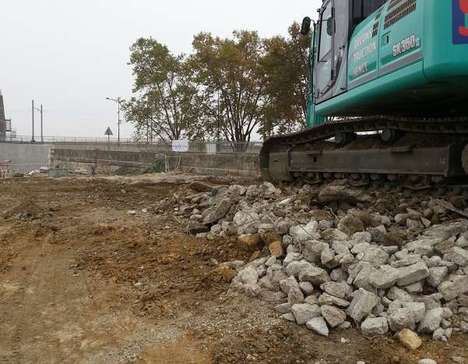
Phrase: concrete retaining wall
x=109 y=161
x=25 y=157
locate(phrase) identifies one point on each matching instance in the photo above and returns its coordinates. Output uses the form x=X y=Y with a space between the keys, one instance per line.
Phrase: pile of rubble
x=332 y=257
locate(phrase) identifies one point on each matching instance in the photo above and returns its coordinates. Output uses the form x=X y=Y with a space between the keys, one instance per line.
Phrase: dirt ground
x=91 y=271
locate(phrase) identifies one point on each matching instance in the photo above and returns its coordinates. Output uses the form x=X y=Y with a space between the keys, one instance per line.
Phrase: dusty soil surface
x=91 y=272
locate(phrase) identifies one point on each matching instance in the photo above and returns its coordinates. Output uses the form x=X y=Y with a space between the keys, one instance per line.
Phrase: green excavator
x=388 y=95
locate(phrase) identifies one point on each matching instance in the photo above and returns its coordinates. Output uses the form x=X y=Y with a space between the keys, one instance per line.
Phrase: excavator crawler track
x=426 y=151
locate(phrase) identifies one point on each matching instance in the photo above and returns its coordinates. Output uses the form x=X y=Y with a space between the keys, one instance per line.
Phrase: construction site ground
x=91 y=273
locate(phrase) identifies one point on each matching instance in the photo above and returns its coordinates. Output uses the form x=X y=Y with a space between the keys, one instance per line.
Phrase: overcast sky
x=71 y=55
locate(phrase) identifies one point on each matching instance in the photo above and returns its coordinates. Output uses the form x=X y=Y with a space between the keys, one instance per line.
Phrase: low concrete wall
x=25 y=157
x=109 y=161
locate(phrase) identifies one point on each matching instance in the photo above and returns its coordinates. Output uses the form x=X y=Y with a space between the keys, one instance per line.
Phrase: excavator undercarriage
x=415 y=152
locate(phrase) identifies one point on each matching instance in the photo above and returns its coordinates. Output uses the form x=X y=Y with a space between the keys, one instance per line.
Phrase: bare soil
x=82 y=280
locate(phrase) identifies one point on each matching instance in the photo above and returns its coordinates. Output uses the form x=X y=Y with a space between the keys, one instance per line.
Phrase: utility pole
x=118 y=100
x=32 y=128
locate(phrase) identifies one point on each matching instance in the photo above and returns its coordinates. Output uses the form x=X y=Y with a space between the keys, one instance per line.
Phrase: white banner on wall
x=180 y=146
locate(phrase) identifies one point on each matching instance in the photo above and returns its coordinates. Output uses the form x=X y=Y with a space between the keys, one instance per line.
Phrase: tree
x=232 y=83
x=286 y=64
x=165 y=98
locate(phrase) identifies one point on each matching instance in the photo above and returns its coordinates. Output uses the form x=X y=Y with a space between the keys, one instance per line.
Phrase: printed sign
x=460 y=21
x=180 y=146
x=109 y=132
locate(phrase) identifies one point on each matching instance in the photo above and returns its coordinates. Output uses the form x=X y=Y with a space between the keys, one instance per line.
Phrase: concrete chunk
x=295 y=296
x=362 y=304
x=412 y=274
x=287 y=284
x=385 y=277
x=333 y=315
x=458 y=256
x=431 y=321
x=374 y=326
x=457 y=285
x=437 y=276
x=318 y=325
x=341 y=290
x=402 y=318
x=327 y=299
x=305 y=312
x=314 y=275
x=301 y=233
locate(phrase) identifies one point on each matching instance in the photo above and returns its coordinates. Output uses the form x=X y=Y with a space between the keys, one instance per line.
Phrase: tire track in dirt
x=45 y=286
x=17 y=311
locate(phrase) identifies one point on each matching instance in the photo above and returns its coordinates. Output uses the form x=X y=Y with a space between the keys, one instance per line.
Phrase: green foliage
x=229 y=88
x=164 y=105
x=231 y=82
x=287 y=68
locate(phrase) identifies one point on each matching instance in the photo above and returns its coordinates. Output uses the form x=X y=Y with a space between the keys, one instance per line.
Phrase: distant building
x=5 y=124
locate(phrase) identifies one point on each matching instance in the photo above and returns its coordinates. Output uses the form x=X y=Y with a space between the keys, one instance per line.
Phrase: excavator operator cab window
x=363 y=8
x=327 y=27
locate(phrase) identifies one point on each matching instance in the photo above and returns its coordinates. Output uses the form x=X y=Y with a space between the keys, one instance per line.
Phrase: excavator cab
x=337 y=21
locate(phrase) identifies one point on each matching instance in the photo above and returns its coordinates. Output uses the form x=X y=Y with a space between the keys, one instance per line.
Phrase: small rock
x=318 y=325
x=283 y=308
x=437 y=276
x=276 y=249
x=250 y=241
x=334 y=316
x=385 y=277
x=409 y=339
x=215 y=213
x=326 y=299
x=362 y=305
x=314 y=275
x=295 y=296
x=345 y=325
x=439 y=335
x=301 y=233
x=196 y=228
x=455 y=286
x=415 y=288
x=431 y=321
x=307 y=288
x=427 y=361
x=341 y=290
x=458 y=256
x=413 y=274
x=305 y=312
x=332 y=193
x=288 y=317
x=374 y=326
x=402 y=318
x=350 y=224
x=287 y=284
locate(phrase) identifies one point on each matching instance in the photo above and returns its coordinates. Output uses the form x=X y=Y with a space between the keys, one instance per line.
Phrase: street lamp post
x=32 y=126
x=41 y=110
x=118 y=100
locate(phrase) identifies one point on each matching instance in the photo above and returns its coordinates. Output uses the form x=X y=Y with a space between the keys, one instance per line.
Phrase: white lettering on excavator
x=363 y=38
x=360 y=70
x=364 y=52
x=405 y=45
